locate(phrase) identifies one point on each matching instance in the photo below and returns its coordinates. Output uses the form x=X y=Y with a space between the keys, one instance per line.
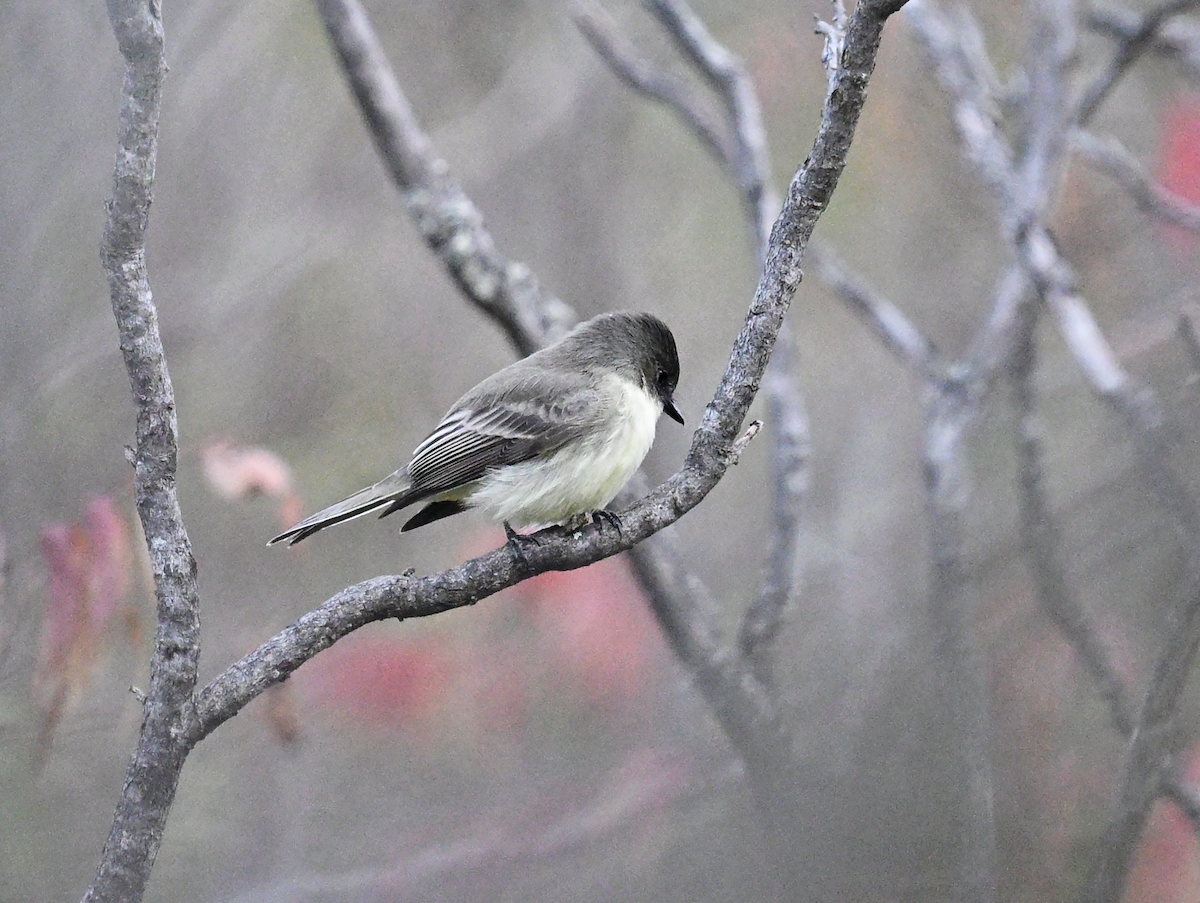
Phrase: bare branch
x=957 y=49
x=890 y=324
x=993 y=344
x=744 y=157
x=1131 y=46
x=1148 y=768
x=1112 y=157
x=448 y=220
x=154 y=769
x=1180 y=40
x=649 y=80
x=749 y=162
x=1040 y=538
x=790 y=451
x=1134 y=403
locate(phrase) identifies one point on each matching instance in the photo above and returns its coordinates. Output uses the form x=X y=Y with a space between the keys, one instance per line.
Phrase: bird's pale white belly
x=582 y=476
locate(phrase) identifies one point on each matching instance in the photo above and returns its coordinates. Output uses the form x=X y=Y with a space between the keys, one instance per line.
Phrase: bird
x=548 y=439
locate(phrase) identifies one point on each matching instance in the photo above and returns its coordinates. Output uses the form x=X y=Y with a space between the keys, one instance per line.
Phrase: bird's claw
x=600 y=518
x=518 y=542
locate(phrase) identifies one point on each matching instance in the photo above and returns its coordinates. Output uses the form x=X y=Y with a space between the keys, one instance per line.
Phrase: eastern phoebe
x=545 y=440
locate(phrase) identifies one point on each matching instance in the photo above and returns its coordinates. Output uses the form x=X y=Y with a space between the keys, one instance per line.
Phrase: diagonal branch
x=448 y=219
x=1180 y=40
x=1132 y=45
x=1112 y=157
x=891 y=325
x=749 y=162
x=649 y=80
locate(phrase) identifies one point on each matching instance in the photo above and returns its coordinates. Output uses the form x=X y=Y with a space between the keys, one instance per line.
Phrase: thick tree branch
x=154 y=769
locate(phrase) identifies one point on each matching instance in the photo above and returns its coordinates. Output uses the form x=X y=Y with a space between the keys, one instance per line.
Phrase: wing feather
x=491 y=431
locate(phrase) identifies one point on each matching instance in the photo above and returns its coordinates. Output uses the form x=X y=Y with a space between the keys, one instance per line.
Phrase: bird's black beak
x=671 y=410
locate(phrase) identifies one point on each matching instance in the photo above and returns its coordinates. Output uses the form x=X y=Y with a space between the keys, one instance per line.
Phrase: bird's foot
x=519 y=542
x=600 y=518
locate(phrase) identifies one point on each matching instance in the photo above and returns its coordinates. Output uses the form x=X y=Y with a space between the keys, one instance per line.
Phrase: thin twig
x=649 y=80
x=1148 y=769
x=1130 y=48
x=1040 y=537
x=890 y=324
x=1112 y=157
x=1180 y=40
x=955 y=45
x=749 y=162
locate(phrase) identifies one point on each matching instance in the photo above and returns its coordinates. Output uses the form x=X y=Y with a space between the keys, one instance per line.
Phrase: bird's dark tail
x=394 y=492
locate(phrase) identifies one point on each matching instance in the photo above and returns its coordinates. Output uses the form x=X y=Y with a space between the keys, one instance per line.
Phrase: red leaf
x=236 y=472
x=1179 y=170
x=600 y=625
x=89 y=568
x=381 y=681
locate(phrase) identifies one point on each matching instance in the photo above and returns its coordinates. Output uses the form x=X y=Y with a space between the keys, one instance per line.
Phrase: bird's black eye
x=663 y=381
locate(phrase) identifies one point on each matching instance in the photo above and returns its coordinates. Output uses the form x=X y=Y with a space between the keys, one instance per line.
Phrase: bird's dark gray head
x=640 y=345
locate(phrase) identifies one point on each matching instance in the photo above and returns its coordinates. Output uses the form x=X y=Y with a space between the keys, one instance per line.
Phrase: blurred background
x=544 y=745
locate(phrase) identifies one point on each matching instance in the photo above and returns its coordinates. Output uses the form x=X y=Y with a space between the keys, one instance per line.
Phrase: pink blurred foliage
x=1179 y=161
x=1167 y=866
x=239 y=472
x=90 y=571
x=1052 y=780
x=599 y=626
x=381 y=682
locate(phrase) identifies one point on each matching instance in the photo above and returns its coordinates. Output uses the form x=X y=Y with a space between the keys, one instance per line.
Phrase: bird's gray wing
x=492 y=430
